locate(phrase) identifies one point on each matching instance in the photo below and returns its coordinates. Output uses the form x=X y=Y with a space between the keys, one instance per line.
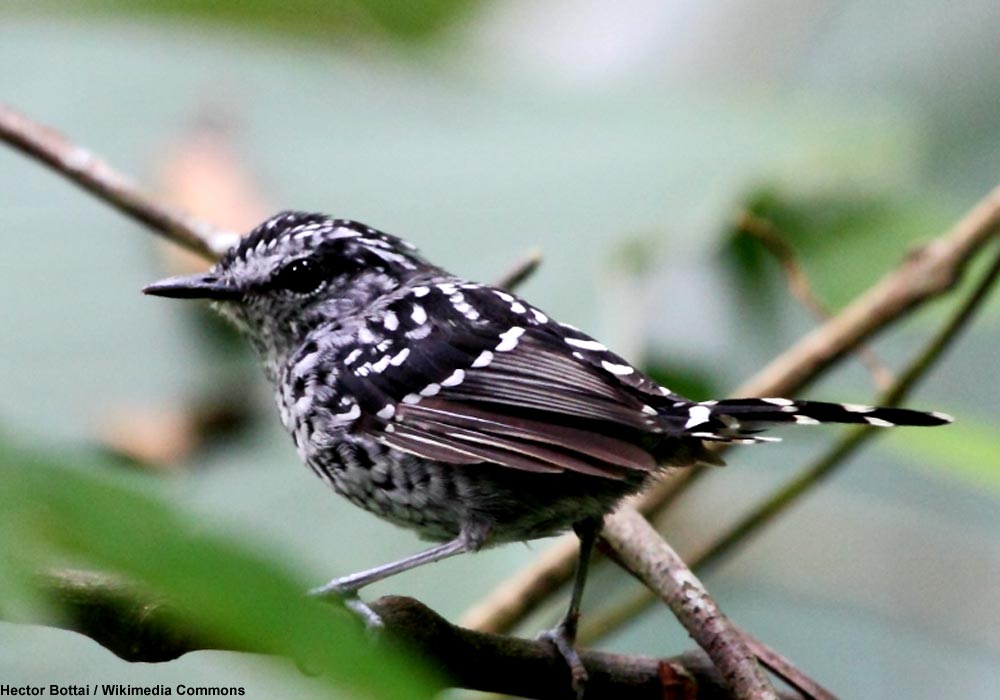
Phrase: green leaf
x=315 y=19
x=113 y=522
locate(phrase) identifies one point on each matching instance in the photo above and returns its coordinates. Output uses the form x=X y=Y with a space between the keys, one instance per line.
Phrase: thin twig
x=603 y=622
x=138 y=626
x=784 y=669
x=97 y=177
x=925 y=273
x=520 y=271
x=768 y=235
x=643 y=552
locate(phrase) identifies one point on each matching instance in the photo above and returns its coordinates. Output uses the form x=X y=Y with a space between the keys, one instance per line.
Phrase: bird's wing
x=468 y=373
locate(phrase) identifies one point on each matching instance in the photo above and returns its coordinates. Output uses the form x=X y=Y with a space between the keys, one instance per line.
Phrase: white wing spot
x=430 y=390
x=649 y=410
x=485 y=357
x=418 y=315
x=352 y=414
x=381 y=365
x=421 y=291
x=616 y=369
x=699 y=414
x=456 y=378
x=857 y=408
x=391 y=321
x=399 y=357
x=503 y=295
x=806 y=420
x=539 y=316
x=508 y=339
x=942 y=416
x=352 y=356
x=517 y=307
x=878 y=422
x=386 y=412
x=585 y=344
x=412 y=398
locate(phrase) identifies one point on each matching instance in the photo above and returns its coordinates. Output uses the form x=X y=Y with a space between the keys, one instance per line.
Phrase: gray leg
x=346 y=588
x=352 y=583
x=564 y=634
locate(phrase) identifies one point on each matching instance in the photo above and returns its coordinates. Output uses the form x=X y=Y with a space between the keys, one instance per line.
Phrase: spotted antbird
x=458 y=409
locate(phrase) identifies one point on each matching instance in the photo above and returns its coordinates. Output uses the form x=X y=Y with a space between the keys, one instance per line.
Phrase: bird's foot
x=562 y=639
x=352 y=601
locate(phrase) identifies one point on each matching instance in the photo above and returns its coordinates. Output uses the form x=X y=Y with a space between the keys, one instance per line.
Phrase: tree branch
x=97 y=177
x=643 y=552
x=924 y=274
x=137 y=626
x=603 y=622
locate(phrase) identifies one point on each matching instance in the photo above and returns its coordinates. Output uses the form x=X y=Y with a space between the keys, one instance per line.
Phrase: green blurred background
x=622 y=140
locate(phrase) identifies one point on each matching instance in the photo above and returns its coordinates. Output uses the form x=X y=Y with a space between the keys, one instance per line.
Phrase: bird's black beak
x=205 y=286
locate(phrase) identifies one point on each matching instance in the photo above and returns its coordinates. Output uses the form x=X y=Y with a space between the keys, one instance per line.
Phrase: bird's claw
x=562 y=640
x=351 y=600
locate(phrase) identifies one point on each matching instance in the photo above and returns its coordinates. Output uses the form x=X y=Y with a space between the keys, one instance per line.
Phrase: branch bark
x=643 y=552
x=925 y=273
x=139 y=627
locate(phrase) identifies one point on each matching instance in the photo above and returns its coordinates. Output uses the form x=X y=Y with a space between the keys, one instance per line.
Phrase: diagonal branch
x=643 y=552
x=924 y=274
x=100 y=179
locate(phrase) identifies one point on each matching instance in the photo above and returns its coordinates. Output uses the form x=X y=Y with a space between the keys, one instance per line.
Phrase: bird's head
x=297 y=271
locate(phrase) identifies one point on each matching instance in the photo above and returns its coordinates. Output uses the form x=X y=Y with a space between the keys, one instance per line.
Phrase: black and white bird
x=458 y=409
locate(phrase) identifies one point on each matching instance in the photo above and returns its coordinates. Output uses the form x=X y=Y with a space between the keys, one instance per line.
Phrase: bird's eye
x=299 y=276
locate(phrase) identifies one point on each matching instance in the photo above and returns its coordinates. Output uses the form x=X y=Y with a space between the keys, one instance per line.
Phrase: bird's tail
x=739 y=420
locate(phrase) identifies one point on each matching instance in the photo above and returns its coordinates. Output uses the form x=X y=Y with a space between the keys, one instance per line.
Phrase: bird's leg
x=471 y=538
x=563 y=635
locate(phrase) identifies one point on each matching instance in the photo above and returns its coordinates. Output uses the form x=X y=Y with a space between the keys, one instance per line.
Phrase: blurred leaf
x=316 y=19
x=965 y=450
x=50 y=513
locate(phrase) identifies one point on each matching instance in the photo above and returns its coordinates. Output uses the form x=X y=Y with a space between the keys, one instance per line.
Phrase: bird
x=458 y=409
